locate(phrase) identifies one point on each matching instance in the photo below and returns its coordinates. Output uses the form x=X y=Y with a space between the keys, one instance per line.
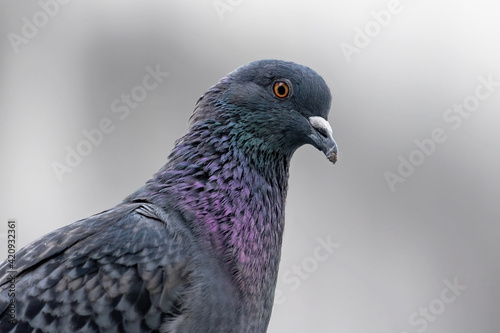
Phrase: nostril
x=322 y=131
x=321 y=126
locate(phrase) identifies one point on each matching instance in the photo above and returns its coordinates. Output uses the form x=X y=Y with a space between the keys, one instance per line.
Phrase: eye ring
x=282 y=89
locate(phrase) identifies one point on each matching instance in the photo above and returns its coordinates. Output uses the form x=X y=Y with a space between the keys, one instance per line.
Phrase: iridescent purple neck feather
x=228 y=176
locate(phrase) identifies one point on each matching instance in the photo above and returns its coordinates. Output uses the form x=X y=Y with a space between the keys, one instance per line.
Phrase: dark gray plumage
x=197 y=248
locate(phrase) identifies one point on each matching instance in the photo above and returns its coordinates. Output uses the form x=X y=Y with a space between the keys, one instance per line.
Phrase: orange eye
x=281 y=89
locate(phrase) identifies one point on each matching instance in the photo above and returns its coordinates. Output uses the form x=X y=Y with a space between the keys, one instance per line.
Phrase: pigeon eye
x=281 y=89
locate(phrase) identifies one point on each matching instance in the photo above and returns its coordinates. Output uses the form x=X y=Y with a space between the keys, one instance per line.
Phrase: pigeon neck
x=236 y=196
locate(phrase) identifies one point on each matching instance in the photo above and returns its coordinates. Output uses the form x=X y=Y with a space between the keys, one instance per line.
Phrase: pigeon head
x=271 y=105
x=228 y=175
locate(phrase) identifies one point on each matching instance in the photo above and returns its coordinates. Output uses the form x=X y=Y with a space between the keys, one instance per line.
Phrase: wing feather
x=122 y=270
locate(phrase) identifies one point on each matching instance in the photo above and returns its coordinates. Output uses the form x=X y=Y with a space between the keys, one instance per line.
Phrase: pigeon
x=197 y=248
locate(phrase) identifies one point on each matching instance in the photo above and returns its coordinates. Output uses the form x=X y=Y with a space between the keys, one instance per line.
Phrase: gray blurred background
x=396 y=70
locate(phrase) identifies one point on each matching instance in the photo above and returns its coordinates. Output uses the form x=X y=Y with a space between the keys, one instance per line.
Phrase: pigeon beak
x=322 y=137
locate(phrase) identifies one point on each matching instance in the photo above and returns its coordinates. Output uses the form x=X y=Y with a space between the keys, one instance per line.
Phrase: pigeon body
x=197 y=248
